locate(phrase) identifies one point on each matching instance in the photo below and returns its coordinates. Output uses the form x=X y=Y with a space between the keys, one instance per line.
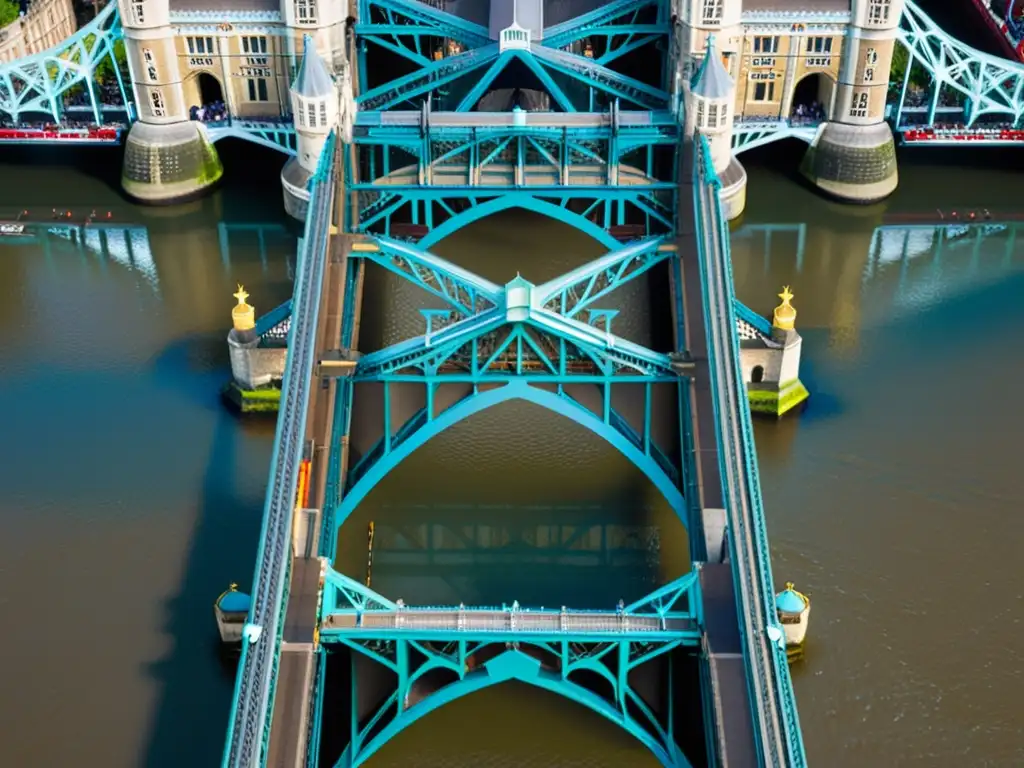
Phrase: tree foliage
x=8 y=12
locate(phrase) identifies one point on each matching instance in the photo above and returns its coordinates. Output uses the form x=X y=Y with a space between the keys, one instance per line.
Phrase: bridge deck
x=504 y=622
x=292 y=700
x=734 y=727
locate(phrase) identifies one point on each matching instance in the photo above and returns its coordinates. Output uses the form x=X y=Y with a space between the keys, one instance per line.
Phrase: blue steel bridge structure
x=422 y=164
x=962 y=86
x=627 y=178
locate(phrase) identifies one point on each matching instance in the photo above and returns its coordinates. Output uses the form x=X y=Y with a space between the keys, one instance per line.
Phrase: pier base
x=295 y=185
x=734 y=190
x=776 y=400
x=266 y=400
x=166 y=164
x=854 y=163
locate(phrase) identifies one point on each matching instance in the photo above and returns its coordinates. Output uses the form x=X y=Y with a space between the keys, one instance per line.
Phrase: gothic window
x=147 y=56
x=766 y=45
x=711 y=13
x=764 y=91
x=139 y=10
x=323 y=114
x=257 y=89
x=819 y=44
x=305 y=11
x=311 y=114
x=157 y=100
x=869 y=74
x=878 y=11
x=712 y=115
x=859 y=105
x=871 y=57
x=700 y=112
x=200 y=45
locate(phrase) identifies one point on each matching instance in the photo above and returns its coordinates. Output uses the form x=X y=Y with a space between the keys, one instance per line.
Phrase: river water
x=131 y=498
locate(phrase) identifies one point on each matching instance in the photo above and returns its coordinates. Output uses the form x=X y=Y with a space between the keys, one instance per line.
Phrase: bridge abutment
x=166 y=164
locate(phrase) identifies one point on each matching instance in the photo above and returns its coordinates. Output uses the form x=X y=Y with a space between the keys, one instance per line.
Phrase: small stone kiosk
x=771 y=363
x=256 y=371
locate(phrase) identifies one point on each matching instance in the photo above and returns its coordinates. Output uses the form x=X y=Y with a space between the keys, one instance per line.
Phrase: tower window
x=200 y=45
x=254 y=44
x=147 y=56
x=766 y=45
x=305 y=11
x=869 y=74
x=323 y=114
x=764 y=91
x=819 y=45
x=879 y=11
x=711 y=12
x=311 y=114
x=859 y=105
x=139 y=10
x=257 y=89
x=156 y=98
x=712 y=115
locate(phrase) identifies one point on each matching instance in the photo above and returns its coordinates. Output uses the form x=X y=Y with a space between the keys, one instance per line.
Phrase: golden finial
x=242 y=314
x=784 y=317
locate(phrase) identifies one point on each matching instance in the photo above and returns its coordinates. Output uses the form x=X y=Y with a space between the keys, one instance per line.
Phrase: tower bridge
x=650 y=193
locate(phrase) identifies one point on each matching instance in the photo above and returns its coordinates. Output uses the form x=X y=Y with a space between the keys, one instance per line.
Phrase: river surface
x=131 y=498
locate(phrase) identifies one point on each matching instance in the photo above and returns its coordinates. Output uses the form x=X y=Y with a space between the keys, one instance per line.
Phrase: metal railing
x=774 y=712
x=249 y=723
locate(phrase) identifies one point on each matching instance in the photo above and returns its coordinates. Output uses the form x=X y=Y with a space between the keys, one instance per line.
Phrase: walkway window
x=764 y=91
x=712 y=12
x=257 y=89
x=766 y=45
x=305 y=11
x=139 y=10
x=200 y=45
x=878 y=11
x=157 y=100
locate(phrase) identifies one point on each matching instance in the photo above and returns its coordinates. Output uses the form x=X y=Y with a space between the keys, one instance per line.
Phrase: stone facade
x=47 y=23
x=833 y=52
x=252 y=366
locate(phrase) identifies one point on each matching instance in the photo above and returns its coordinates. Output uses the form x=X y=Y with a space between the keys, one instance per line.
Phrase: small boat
x=794 y=608
x=12 y=228
x=231 y=611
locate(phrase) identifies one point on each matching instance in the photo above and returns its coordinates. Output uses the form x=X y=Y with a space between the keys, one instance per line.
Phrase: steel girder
x=989 y=85
x=37 y=83
x=484 y=646
x=274 y=134
x=750 y=135
x=519 y=341
x=399 y=26
x=442 y=175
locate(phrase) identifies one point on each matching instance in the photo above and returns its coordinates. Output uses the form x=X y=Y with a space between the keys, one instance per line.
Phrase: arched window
x=757 y=374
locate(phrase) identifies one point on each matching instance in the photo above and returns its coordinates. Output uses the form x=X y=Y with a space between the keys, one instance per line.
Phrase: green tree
x=105 y=69
x=8 y=12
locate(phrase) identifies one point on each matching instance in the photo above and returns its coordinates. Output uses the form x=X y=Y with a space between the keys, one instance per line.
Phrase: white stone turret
x=712 y=96
x=315 y=102
x=149 y=45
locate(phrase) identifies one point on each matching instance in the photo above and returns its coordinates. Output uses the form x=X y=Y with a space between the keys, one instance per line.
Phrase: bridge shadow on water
x=195 y=678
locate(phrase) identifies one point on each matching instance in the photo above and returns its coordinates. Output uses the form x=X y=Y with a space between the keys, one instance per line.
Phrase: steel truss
x=988 y=85
x=482 y=646
x=415 y=31
x=520 y=341
x=274 y=134
x=36 y=84
x=429 y=170
x=750 y=135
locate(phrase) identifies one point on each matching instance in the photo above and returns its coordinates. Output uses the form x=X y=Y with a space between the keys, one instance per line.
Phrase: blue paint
x=235 y=602
x=789 y=601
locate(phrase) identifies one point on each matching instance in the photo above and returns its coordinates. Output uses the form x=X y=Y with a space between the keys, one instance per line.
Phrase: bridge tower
x=705 y=29
x=853 y=157
x=314 y=98
x=167 y=157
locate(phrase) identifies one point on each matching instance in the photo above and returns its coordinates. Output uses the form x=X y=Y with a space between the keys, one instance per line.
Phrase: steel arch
x=512 y=665
x=518 y=200
x=517 y=389
x=46 y=76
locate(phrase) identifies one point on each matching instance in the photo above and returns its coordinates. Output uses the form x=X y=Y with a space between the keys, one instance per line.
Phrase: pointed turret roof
x=313 y=80
x=712 y=81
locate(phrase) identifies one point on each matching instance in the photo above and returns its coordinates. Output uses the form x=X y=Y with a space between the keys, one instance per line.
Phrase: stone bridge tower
x=167 y=157
x=853 y=157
